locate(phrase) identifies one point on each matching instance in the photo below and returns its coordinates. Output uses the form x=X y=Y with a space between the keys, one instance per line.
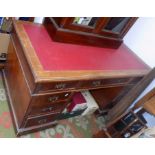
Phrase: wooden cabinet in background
x=96 y=31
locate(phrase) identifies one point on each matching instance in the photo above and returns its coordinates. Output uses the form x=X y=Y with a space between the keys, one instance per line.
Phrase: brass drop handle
x=47 y=109
x=53 y=98
x=121 y=80
x=60 y=86
x=96 y=83
x=42 y=121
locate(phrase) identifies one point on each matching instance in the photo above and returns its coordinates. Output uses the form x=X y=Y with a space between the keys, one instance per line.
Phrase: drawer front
x=135 y=80
x=48 y=108
x=53 y=98
x=71 y=85
x=34 y=121
x=56 y=86
x=44 y=105
x=103 y=82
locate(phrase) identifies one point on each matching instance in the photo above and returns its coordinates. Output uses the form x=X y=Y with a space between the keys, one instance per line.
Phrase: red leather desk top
x=56 y=56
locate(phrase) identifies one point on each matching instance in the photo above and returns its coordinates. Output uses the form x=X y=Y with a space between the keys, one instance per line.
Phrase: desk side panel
x=18 y=89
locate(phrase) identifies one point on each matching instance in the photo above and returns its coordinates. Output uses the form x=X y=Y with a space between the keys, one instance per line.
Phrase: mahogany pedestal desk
x=42 y=75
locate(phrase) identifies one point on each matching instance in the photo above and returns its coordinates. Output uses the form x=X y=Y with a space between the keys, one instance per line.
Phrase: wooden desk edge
x=40 y=75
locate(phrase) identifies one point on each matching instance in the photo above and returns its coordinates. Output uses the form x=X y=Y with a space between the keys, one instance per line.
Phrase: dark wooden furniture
x=125 y=127
x=116 y=115
x=126 y=101
x=96 y=31
x=41 y=75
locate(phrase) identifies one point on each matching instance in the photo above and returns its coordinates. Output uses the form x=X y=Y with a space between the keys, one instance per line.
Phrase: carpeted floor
x=69 y=128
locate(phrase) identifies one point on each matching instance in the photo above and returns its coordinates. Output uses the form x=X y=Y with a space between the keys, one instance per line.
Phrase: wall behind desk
x=141 y=39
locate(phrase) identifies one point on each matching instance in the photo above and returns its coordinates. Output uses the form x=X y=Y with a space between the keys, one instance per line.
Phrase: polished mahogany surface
x=55 y=56
x=49 y=73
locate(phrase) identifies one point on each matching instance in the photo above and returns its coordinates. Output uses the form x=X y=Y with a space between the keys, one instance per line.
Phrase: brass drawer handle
x=42 y=121
x=53 y=98
x=96 y=83
x=47 y=109
x=121 y=80
x=60 y=86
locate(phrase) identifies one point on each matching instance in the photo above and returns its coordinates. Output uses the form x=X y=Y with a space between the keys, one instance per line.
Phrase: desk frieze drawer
x=116 y=81
x=135 y=80
x=103 y=82
x=41 y=120
x=56 y=86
